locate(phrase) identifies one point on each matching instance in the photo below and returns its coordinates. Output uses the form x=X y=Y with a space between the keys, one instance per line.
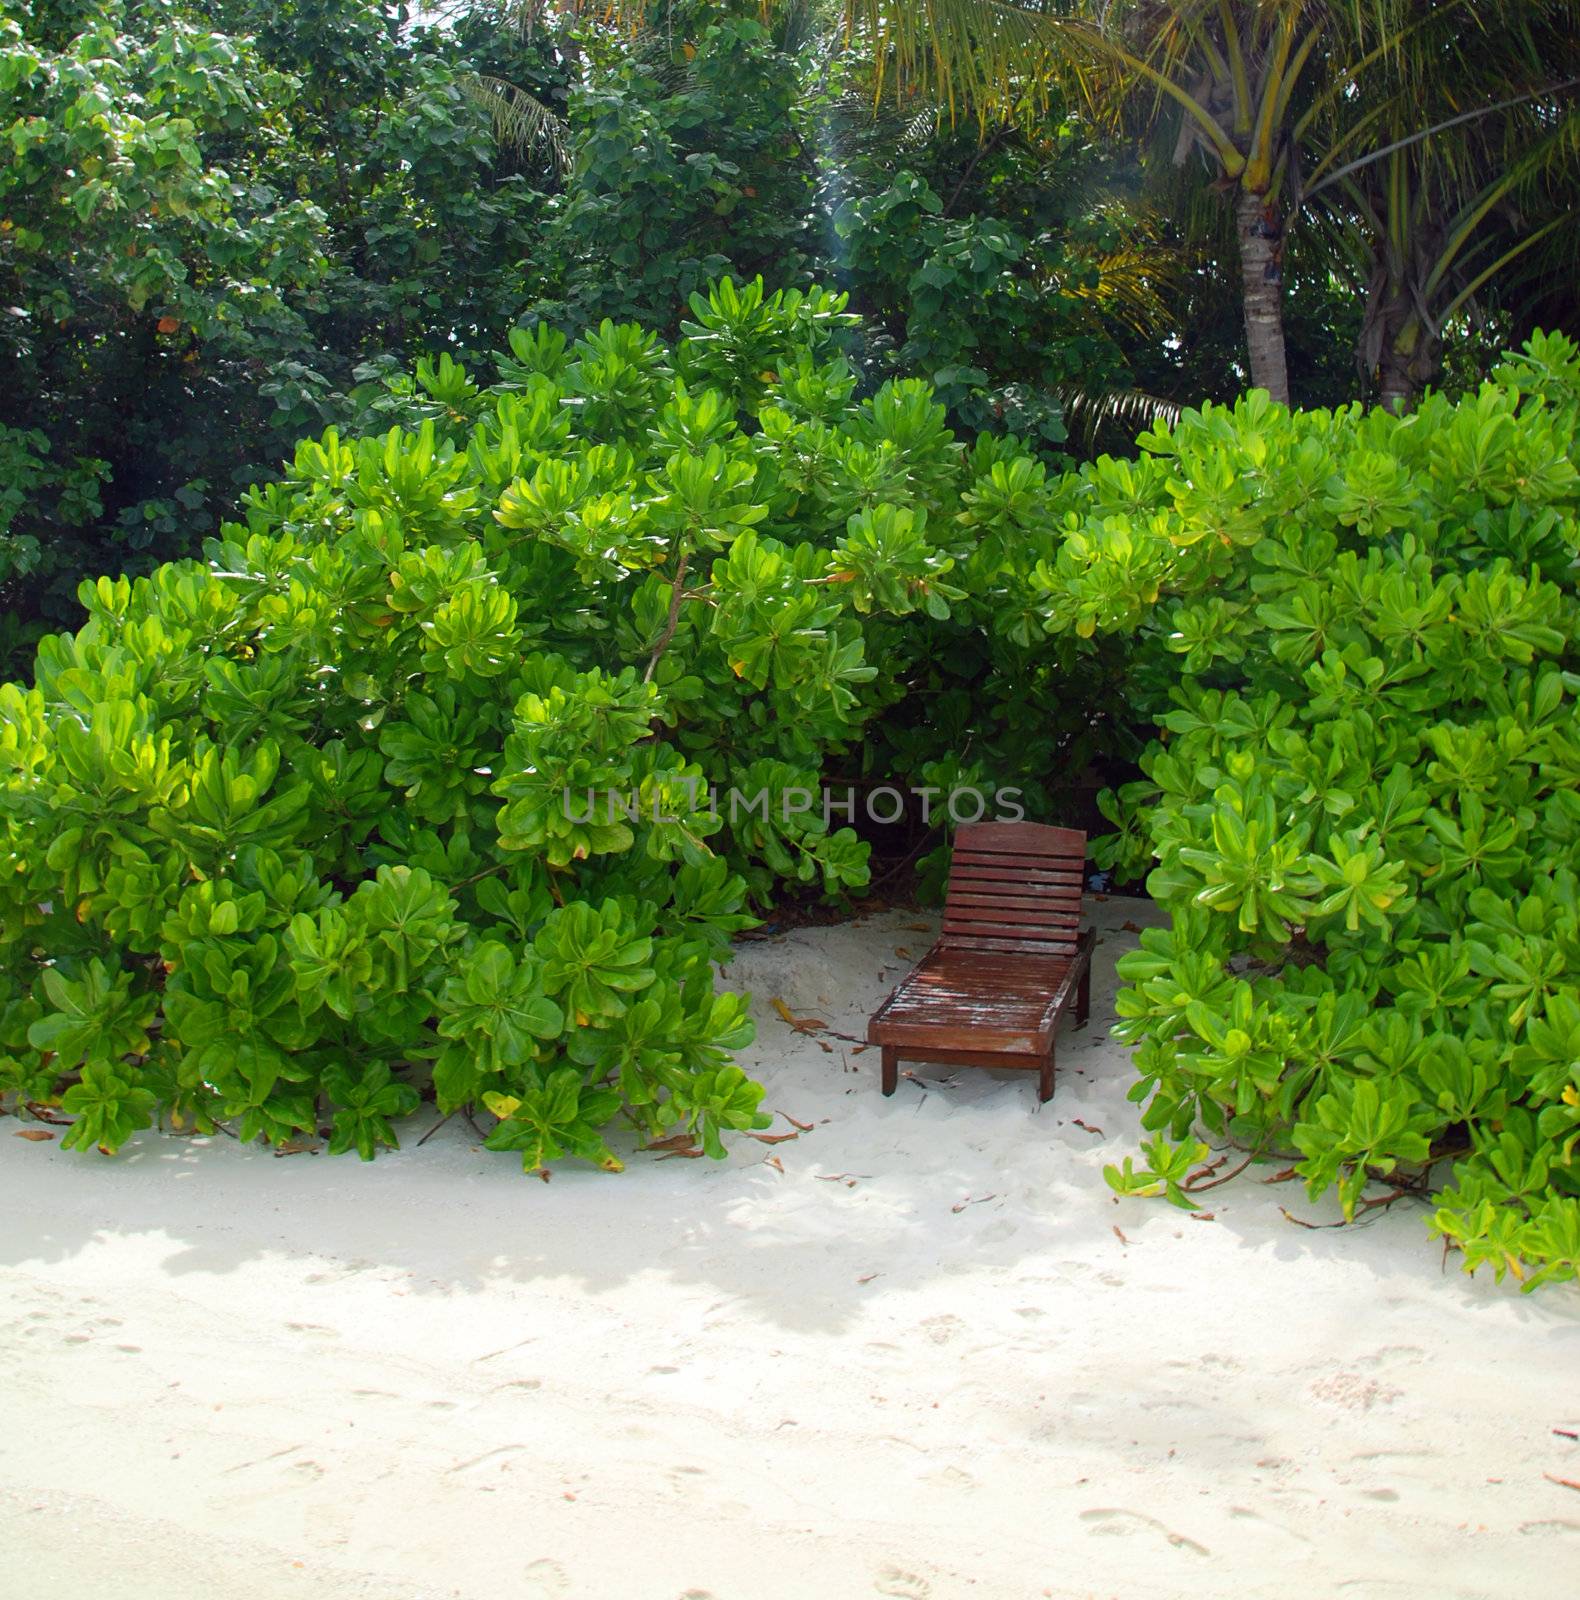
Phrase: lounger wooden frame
x=1010 y=961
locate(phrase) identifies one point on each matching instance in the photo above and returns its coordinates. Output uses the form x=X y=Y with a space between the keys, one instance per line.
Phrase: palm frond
x=1135 y=277
x=521 y=121
x=1122 y=413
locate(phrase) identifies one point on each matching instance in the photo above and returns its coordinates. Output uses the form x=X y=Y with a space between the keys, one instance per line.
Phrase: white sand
x=231 y=1375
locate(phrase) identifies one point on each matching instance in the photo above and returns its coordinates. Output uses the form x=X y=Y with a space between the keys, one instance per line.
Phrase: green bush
x=1356 y=636
x=296 y=829
x=287 y=833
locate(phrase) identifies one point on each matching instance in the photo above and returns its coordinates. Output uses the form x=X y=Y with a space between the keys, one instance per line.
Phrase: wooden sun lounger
x=1010 y=960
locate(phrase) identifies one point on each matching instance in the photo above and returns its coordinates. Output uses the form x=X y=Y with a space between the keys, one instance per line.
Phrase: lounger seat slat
x=1001 y=867
x=1047 y=916
x=1051 y=905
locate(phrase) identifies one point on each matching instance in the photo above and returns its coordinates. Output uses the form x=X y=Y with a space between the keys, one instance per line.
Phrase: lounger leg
x=1083 y=996
x=891 y=1069
x=1045 y=1078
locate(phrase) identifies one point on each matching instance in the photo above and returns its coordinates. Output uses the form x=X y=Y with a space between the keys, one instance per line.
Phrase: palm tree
x=1472 y=209
x=1260 y=90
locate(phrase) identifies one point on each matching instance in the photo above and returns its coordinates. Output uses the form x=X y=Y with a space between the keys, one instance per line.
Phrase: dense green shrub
x=291 y=828
x=1357 y=636
x=287 y=834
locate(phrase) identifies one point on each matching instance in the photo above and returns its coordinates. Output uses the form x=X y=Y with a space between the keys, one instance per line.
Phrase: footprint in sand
x=1117 y=1520
x=996 y=1232
x=1394 y=1355
x=496 y=1460
x=1215 y=1362
x=94 y=1328
x=1246 y=1514
x=545 y=1580
x=302 y=1468
x=942 y=1329
x=905 y=1585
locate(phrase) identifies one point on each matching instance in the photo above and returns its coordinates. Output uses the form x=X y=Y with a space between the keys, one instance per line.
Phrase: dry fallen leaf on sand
x=673 y=1141
x=676 y=1145
x=1120 y=1236
x=773 y=1138
x=35 y=1134
x=805 y=1127
x=800 y=1024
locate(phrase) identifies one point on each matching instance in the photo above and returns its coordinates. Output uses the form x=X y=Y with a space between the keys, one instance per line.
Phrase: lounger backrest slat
x=1015 y=889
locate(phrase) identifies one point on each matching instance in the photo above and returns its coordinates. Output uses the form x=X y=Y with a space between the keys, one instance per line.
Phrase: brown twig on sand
x=1191 y=1187
x=1379 y=1202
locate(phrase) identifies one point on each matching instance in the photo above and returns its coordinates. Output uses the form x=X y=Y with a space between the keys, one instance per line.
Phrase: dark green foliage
x=210 y=215
x=687 y=161
x=993 y=269
x=409 y=780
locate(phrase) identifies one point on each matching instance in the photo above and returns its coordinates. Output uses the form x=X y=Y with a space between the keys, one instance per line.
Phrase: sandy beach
x=918 y=1350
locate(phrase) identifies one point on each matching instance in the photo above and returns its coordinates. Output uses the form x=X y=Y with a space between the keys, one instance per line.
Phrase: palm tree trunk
x=1395 y=391
x=1411 y=359
x=1262 y=287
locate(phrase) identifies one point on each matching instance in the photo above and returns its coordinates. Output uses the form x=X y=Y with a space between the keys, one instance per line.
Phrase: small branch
x=910 y=855
x=432 y=1131
x=487 y=872
x=677 y=593
x=1363 y=1208
x=1198 y=1188
x=965 y=177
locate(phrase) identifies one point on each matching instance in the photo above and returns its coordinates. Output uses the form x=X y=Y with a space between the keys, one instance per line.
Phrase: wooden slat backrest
x=1015 y=889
